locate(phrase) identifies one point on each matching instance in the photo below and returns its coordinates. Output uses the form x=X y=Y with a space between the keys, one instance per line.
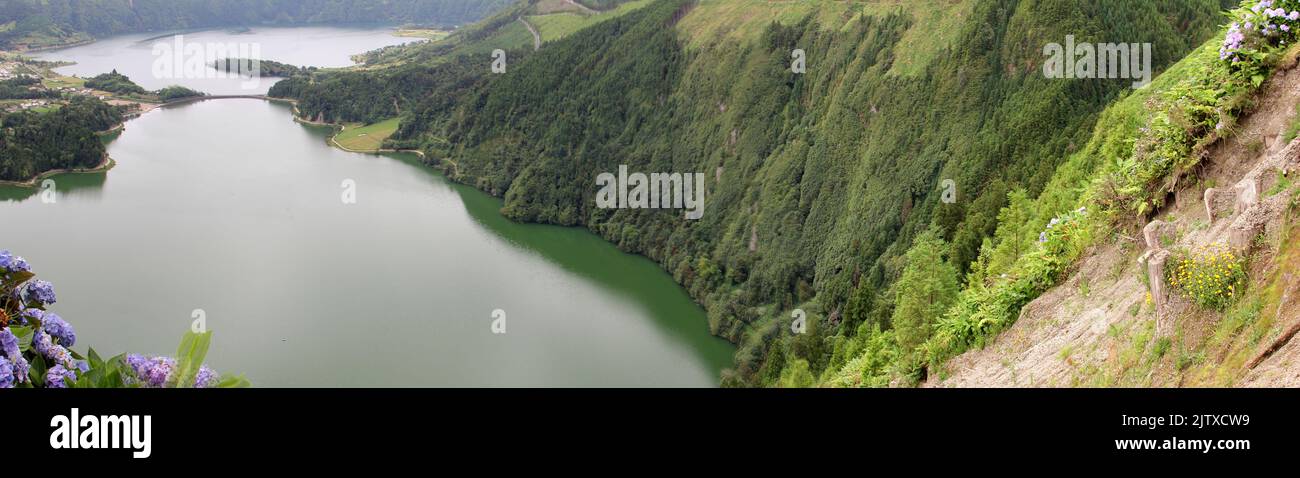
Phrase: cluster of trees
x=114 y=82
x=263 y=68
x=424 y=92
x=21 y=88
x=824 y=187
x=32 y=143
x=109 y=17
x=176 y=92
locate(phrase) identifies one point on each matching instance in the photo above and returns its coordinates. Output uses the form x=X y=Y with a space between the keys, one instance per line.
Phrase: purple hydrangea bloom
x=206 y=378
x=19 y=265
x=60 y=329
x=6 y=259
x=6 y=374
x=8 y=343
x=151 y=372
x=27 y=315
x=13 y=356
x=56 y=377
x=44 y=345
x=41 y=291
x=155 y=372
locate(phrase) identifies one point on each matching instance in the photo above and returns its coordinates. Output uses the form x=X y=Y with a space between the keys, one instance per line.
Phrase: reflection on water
x=231 y=207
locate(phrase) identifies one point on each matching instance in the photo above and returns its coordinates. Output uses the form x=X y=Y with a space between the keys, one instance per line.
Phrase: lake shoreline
x=107 y=164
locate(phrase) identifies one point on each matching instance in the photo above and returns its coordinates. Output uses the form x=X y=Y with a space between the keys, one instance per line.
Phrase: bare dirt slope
x=1102 y=326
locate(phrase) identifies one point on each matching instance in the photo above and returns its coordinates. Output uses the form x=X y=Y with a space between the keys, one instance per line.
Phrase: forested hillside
x=819 y=184
x=23 y=22
x=32 y=143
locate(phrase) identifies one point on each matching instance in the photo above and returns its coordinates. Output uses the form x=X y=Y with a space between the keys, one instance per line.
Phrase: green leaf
x=233 y=381
x=16 y=278
x=24 y=335
x=189 y=358
x=93 y=358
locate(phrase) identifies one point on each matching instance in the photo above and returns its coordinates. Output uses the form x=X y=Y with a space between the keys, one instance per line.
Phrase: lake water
x=231 y=207
x=138 y=56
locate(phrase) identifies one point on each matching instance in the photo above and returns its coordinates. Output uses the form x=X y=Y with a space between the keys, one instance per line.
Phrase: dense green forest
x=823 y=186
x=32 y=143
x=114 y=82
x=175 y=92
x=24 y=19
x=263 y=68
x=20 y=88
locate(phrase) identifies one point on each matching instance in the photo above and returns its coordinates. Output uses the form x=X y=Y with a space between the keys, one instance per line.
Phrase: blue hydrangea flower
x=156 y=372
x=206 y=378
x=6 y=374
x=44 y=345
x=41 y=291
x=13 y=356
x=58 y=328
x=8 y=343
x=151 y=372
x=56 y=377
x=6 y=259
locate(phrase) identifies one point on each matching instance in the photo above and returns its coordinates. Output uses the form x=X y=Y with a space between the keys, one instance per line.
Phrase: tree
x=926 y=289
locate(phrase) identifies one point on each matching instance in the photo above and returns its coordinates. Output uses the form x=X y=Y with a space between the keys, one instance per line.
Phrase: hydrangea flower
x=44 y=345
x=206 y=378
x=40 y=291
x=57 y=375
x=13 y=356
x=29 y=314
x=155 y=372
x=6 y=373
x=152 y=372
x=8 y=343
x=58 y=328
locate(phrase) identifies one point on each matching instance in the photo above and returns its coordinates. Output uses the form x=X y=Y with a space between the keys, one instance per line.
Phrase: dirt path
x=537 y=37
x=1088 y=330
x=582 y=7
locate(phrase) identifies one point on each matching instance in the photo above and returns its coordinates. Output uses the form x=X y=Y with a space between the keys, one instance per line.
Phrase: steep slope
x=817 y=183
x=1178 y=269
x=1105 y=326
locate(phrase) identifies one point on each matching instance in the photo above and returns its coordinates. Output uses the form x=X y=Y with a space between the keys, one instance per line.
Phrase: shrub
x=1213 y=276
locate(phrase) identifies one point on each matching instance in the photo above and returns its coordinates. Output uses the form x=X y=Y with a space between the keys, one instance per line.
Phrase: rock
x=1159 y=233
x=1219 y=203
x=1155 y=264
x=1247 y=195
x=1255 y=220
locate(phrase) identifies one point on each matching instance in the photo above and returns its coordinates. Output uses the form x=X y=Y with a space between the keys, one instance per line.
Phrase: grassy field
x=430 y=34
x=63 y=81
x=356 y=137
x=559 y=25
x=937 y=23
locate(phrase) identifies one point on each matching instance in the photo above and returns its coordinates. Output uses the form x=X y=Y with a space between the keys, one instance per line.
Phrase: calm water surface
x=134 y=55
x=231 y=207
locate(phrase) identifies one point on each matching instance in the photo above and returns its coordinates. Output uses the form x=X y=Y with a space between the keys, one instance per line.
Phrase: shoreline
x=33 y=183
x=109 y=163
